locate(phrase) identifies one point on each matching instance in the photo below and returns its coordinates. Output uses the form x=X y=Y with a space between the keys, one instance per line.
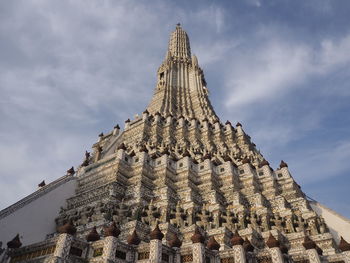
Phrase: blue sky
x=72 y=69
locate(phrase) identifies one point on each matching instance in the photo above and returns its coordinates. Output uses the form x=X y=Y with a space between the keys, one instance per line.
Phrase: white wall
x=33 y=217
x=338 y=225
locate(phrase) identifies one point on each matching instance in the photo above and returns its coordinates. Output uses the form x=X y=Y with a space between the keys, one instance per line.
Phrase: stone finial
x=263 y=163
x=15 y=242
x=93 y=235
x=146 y=112
x=156 y=233
x=86 y=160
x=67 y=228
x=227 y=158
x=283 y=164
x=100 y=135
x=207 y=156
x=213 y=244
x=238 y=124
x=272 y=242
x=237 y=239
x=143 y=149
x=175 y=241
x=112 y=230
x=71 y=171
x=165 y=151
x=117 y=127
x=133 y=239
x=310 y=244
x=42 y=184
x=186 y=154
x=343 y=245
x=127 y=121
x=122 y=147
x=228 y=123
x=197 y=237
x=248 y=247
x=246 y=160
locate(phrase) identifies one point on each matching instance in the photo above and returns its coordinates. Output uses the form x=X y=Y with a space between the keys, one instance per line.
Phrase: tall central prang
x=178 y=185
x=181 y=86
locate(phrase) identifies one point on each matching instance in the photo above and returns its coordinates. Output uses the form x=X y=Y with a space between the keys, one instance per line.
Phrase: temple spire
x=179 y=44
x=181 y=87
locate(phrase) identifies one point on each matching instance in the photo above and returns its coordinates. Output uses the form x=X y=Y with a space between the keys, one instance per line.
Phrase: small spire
x=343 y=245
x=272 y=241
x=197 y=237
x=283 y=164
x=245 y=160
x=178 y=24
x=213 y=244
x=237 y=239
x=15 y=242
x=263 y=163
x=93 y=235
x=309 y=243
x=133 y=239
x=71 y=171
x=121 y=147
x=67 y=228
x=175 y=241
x=42 y=184
x=112 y=230
x=156 y=234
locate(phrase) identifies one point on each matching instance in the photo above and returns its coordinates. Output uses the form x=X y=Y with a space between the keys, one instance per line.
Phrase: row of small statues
x=204 y=218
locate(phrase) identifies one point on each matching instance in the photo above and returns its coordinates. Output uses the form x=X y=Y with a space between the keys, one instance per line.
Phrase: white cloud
x=273 y=68
x=321 y=162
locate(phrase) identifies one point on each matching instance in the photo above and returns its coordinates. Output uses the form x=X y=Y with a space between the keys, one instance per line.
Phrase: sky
x=70 y=70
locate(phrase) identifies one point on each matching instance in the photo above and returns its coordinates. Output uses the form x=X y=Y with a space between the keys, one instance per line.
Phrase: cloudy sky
x=72 y=69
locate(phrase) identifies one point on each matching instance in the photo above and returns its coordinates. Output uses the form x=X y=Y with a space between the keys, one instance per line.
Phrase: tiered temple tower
x=178 y=185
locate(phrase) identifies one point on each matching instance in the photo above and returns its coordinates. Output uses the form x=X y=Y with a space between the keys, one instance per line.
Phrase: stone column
x=274 y=248
x=345 y=247
x=64 y=242
x=346 y=257
x=177 y=257
x=198 y=249
x=110 y=243
x=239 y=253
x=109 y=249
x=63 y=246
x=313 y=255
x=276 y=255
x=155 y=246
x=238 y=250
x=198 y=253
x=312 y=250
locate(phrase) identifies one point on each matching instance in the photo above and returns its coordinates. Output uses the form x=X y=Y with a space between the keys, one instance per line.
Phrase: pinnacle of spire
x=179 y=43
x=181 y=87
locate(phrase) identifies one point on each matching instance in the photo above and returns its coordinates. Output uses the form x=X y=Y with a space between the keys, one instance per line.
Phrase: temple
x=174 y=185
